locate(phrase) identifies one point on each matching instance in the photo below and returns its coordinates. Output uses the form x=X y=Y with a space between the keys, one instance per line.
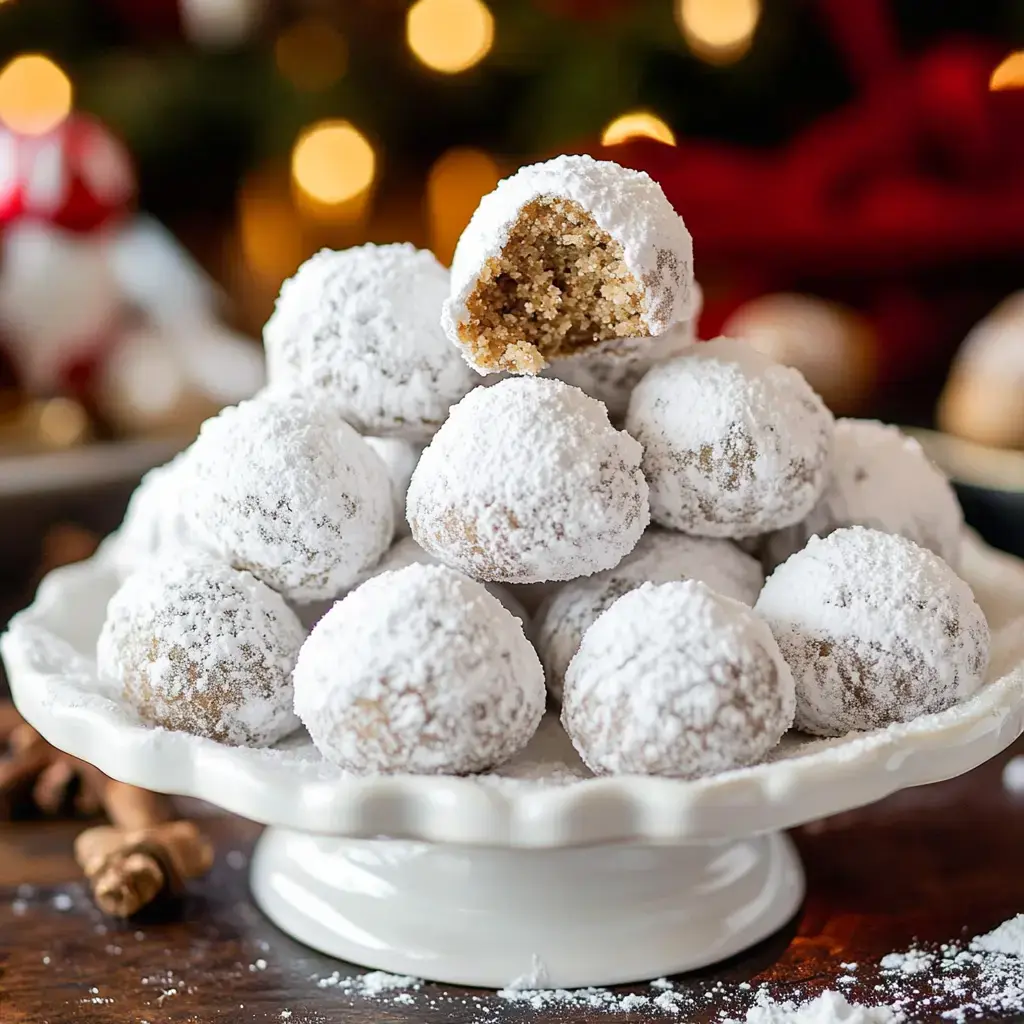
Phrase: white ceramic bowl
x=535 y=873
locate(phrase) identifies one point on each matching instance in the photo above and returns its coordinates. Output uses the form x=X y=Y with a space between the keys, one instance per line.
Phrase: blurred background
x=851 y=174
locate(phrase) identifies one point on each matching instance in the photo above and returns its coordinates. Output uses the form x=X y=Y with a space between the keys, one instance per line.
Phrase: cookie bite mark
x=559 y=286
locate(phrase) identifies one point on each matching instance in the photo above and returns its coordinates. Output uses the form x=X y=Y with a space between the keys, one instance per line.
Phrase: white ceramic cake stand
x=538 y=876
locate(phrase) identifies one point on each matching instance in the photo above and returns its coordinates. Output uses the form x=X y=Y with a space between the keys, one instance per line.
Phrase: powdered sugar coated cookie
x=528 y=481
x=154 y=522
x=875 y=629
x=882 y=479
x=563 y=256
x=360 y=328
x=419 y=670
x=661 y=556
x=676 y=680
x=202 y=648
x=734 y=444
x=286 y=489
x=610 y=376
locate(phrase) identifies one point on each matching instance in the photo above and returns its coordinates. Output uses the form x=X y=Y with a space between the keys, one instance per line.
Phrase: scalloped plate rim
x=767 y=797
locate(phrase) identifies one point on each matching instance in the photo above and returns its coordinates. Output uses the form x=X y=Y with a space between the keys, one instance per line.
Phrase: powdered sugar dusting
x=201 y=647
x=734 y=444
x=661 y=556
x=627 y=204
x=676 y=680
x=1008 y=938
x=399 y=458
x=361 y=329
x=371 y=984
x=154 y=523
x=528 y=481
x=289 y=491
x=960 y=982
x=875 y=608
x=437 y=677
x=828 y=1008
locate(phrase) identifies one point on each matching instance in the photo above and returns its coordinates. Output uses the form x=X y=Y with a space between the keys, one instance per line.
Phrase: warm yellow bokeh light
x=458 y=180
x=35 y=95
x=449 y=35
x=269 y=228
x=311 y=54
x=62 y=422
x=637 y=124
x=1009 y=74
x=333 y=162
x=718 y=31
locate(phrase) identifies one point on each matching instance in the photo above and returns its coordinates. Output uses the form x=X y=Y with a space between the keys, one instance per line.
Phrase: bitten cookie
x=565 y=256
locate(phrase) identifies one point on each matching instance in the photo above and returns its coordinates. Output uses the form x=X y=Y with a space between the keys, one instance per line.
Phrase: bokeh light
x=1009 y=74
x=219 y=23
x=455 y=185
x=718 y=31
x=449 y=35
x=270 y=233
x=62 y=422
x=35 y=94
x=637 y=124
x=333 y=162
x=312 y=54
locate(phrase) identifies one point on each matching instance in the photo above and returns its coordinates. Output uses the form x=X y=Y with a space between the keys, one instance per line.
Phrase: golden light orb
x=312 y=54
x=35 y=94
x=1009 y=74
x=459 y=178
x=449 y=35
x=269 y=229
x=333 y=162
x=637 y=124
x=718 y=31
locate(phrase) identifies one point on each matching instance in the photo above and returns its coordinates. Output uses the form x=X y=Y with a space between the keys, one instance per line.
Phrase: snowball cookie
x=676 y=680
x=286 y=489
x=154 y=522
x=880 y=478
x=528 y=481
x=419 y=670
x=399 y=458
x=876 y=630
x=734 y=444
x=361 y=327
x=610 y=375
x=565 y=256
x=202 y=648
x=661 y=556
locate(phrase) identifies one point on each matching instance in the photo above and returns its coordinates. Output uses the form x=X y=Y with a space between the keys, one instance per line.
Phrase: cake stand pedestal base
x=550 y=918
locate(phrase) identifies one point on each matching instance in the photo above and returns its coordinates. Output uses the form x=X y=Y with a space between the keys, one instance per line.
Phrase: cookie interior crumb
x=559 y=285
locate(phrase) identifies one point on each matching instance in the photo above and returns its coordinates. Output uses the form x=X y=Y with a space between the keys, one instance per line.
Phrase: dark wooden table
x=932 y=864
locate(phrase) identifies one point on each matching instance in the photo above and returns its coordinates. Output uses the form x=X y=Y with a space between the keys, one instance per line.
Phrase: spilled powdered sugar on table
x=964 y=980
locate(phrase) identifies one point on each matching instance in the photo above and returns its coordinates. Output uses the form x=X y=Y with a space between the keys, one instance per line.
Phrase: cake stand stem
x=492 y=917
